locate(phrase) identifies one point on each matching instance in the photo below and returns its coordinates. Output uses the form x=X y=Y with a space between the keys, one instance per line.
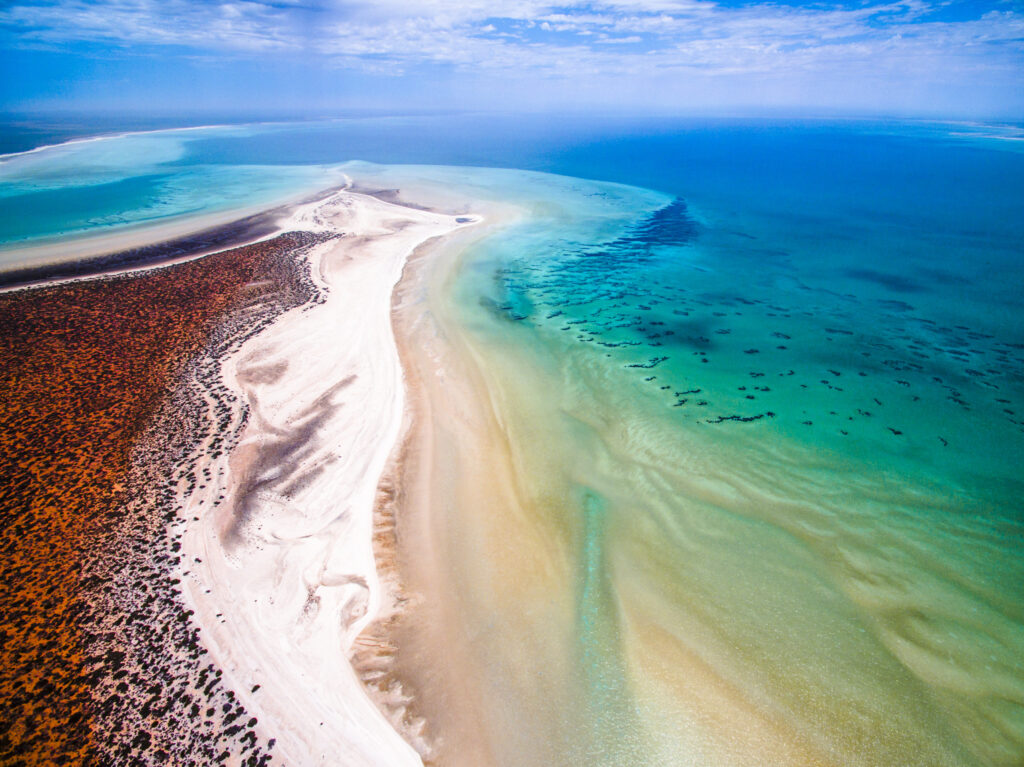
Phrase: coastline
x=466 y=531
x=376 y=541
x=397 y=655
x=562 y=539
x=115 y=135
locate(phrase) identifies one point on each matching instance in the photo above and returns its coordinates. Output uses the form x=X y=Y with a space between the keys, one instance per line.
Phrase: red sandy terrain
x=84 y=369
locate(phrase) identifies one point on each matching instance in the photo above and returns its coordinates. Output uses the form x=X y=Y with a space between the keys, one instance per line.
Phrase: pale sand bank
x=278 y=551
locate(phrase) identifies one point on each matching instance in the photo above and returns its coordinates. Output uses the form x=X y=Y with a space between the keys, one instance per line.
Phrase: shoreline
x=401 y=522
x=463 y=518
x=517 y=547
x=439 y=696
x=88 y=139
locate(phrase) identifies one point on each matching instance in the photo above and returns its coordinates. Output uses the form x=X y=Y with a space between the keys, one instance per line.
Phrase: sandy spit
x=278 y=562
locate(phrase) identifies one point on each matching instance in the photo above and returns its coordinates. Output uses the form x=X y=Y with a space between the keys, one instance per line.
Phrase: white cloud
x=533 y=38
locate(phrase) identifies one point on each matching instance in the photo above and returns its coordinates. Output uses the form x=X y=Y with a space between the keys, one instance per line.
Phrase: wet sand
x=461 y=531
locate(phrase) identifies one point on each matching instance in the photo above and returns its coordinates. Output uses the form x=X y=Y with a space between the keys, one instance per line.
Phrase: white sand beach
x=278 y=553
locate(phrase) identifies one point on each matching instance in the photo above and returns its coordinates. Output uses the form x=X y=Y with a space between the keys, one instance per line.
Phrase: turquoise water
x=782 y=467
x=805 y=450
x=767 y=399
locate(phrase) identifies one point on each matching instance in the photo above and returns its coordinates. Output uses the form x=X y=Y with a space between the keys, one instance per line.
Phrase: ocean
x=761 y=384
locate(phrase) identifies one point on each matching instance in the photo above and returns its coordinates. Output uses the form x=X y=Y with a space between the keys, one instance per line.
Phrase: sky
x=926 y=58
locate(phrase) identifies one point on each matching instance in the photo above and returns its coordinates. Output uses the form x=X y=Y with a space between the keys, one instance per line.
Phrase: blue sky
x=913 y=57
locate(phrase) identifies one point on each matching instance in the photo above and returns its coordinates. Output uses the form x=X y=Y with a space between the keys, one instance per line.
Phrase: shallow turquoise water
x=119 y=182
x=781 y=462
x=782 y=379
